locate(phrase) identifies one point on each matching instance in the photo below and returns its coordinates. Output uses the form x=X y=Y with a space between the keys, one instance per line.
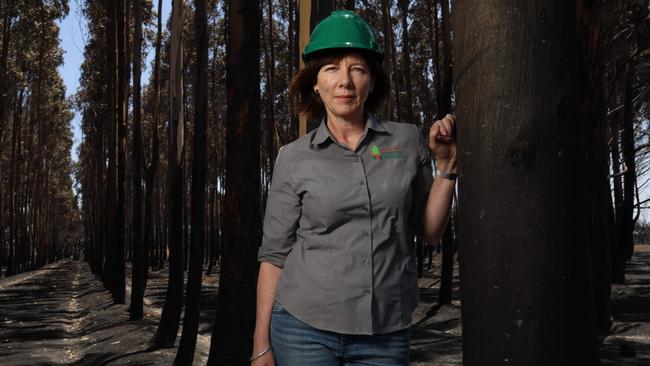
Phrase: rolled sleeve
x=283 y=209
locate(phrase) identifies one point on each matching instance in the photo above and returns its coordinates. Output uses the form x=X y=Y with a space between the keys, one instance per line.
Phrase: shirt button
x=365 y=261
x=366 y=291
x=364 y=209
x=362 y=182
x=365 y=235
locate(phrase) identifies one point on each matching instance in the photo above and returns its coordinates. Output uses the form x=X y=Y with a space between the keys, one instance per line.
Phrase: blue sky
x=72 y=40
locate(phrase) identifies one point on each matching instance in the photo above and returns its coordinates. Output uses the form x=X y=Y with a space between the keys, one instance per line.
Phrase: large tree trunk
x=152 y=166
x=600 y=215
x=122 y=116
x=139 y=268
x=187 y=346
x=171 y=313
x=526 y=289
x=111 y=180
x=234 y=322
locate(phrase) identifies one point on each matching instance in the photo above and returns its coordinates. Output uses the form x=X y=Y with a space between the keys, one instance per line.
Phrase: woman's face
x=344 y=87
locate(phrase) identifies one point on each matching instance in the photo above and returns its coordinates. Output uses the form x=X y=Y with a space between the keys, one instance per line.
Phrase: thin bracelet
x=446 y=175
x=260 y=354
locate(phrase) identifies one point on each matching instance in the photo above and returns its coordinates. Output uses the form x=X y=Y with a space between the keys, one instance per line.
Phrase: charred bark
x=526 y=291
x=231 y=342
x=139 y=269
x=171 y=313
x=187 y=346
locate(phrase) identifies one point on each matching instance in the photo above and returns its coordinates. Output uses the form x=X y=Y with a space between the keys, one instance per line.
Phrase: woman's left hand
x=442 y=138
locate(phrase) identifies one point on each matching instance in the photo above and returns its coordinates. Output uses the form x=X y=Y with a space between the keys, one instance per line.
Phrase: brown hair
x=305 y=100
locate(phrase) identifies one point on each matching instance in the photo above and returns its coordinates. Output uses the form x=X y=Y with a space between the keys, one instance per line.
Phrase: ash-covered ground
x=62 y=315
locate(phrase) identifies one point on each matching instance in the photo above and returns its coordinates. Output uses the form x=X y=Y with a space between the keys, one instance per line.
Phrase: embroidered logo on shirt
x=384 y=153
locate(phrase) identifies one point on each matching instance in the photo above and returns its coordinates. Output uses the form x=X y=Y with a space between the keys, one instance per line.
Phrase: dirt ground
x=62 y=315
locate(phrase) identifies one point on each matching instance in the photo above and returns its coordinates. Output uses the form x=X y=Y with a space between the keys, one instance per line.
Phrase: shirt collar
x=323 y=133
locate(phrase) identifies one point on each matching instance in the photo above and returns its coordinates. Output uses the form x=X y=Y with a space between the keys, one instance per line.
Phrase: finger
x=451 y=117
x=446 y=128
x=450 y=122
x=434 y=132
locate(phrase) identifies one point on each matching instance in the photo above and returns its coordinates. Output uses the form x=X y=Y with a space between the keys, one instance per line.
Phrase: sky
x=73 y=37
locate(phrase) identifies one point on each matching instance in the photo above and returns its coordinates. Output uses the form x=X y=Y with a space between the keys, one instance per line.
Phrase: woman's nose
x=344 y=79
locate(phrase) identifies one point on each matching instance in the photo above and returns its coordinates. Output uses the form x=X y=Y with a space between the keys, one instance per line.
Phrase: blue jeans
x=298 y=344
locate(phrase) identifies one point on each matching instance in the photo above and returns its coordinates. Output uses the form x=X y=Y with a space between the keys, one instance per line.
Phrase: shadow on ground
x=62 y=315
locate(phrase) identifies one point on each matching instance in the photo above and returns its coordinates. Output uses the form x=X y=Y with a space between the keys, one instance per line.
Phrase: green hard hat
x=342 y=29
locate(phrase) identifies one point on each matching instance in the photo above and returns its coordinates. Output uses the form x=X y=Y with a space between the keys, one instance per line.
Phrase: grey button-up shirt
x=340 y=223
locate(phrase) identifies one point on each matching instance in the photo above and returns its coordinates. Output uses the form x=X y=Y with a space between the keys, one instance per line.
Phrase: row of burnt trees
x=142 y=203
x=39 y=220
x=185 y=170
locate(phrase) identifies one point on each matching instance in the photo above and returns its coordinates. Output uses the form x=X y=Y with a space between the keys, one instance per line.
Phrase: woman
x=337 y=281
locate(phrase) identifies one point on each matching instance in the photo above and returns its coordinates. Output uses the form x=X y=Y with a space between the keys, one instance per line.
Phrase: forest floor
x=62 y=315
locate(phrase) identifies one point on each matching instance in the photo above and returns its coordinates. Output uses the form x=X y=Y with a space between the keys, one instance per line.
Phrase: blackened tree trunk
x=185 y=353
x=444 y=72
x=111 y=142
x=526 y=289
x=119 y=279
x=269 y=62
x=171 y=313
x=600 y=215
x=231 y=342
x=139 y=269
x=152 y=167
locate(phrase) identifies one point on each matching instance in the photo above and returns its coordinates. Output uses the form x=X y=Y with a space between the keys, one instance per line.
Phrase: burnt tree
x=525 y=272
x=139 y=270
x=171 y=313
x=187 y=346
x=231 y=342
